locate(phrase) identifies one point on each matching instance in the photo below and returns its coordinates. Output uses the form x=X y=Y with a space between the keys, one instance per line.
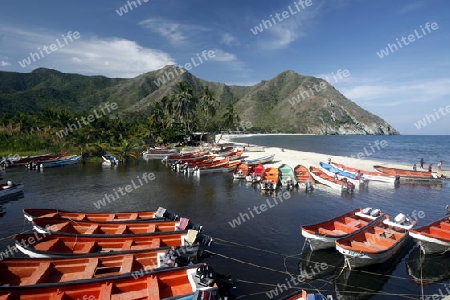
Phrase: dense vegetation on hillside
x=90 y=133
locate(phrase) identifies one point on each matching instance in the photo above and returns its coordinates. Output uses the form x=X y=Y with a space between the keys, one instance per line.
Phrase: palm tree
x=209 y=106
x=185 y=104
x=230 y=117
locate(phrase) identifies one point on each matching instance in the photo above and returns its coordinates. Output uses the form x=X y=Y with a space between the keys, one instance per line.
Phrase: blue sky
x=409 y=84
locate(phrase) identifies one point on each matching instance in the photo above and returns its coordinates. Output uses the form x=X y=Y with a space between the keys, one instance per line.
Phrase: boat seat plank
x=151 y=228
x=121 y=229
x=127 y=264
x=344 y=227
x=59 y=227
x=127 y=245
x=361 y=247
x=6 y=297
x=91 y=229
x=379 y=240
x=331 y=232
x=153 y=287
x=105 y=291
x=444 y=225
x=47 y=245
x=133 y=216
x=39 y=274
x=81 y=217
x=90 y=268
x=110 y=217
x=156 y=243
x=440 y=232
x=88 y=247
x=380 y=230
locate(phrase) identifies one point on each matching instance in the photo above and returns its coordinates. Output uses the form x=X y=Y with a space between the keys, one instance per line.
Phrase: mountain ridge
x=289 y=102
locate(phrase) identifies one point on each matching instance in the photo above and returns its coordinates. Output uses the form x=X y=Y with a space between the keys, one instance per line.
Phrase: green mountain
x=289 y=102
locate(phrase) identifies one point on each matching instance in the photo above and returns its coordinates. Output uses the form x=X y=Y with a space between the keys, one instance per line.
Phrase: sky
x=394 y=54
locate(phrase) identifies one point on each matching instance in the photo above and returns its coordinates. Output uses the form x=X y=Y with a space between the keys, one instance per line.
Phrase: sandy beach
x=295 y=157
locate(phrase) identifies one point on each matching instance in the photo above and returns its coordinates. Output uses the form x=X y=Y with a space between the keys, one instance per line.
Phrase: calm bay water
x=258 y=252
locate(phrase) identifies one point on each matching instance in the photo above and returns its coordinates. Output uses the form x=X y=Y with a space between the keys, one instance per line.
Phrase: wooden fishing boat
x=158 y=153
x=286 y=176
x=302 y=174
x=371 y=175
x=376 y=243
x=434 y=237
x=260 y=160
x=222 y=168
x=171 y=283
x=94 y=229
x=337 y=184
x=62 y=161
x=333 y=171
x=144 y=216
x=10 y=188
x=241 y=171
x=269 y=179
x=56 y=245
x=28 y=272
x=404 y=173
x=324 y=234
x=224 y=151
x=255 y=173
x=185 y=157
x=235 y=155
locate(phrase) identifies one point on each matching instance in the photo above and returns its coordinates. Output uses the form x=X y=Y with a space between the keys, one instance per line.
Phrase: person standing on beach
x=421 y=163
x=430 y=168
x=440 y=165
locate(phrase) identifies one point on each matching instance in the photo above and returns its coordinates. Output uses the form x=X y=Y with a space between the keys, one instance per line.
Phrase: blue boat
x=63 y=161
x=333 y=171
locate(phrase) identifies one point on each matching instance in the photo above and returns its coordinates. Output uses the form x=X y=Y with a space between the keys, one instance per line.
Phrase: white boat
x=109 y=159
x=10 y=188
x=260 y=160
x=63 y=161
x=158 y=153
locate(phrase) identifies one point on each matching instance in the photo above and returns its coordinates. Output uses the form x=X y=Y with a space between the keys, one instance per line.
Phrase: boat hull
x=430 y=245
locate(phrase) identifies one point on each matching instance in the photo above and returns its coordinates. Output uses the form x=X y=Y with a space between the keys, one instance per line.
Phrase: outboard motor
x=397 y=180
x=308 y=186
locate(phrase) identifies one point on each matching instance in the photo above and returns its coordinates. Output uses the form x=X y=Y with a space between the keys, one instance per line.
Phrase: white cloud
x=223 y=56
x=390 y=94
x=175 y=32
x=4 y=63
x=112 y=57
x=411 y=7
x=228 y=39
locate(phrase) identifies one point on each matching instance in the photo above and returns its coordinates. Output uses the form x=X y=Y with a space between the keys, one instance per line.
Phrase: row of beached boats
x=369 y=236
x=41 y=161
x=130 y=255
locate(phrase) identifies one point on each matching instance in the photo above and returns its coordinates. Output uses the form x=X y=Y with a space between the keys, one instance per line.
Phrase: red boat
x=434 y=237
x=241 y=171
x=186 y=157
x=405 y=173
x=371 y=175
x=255 y=173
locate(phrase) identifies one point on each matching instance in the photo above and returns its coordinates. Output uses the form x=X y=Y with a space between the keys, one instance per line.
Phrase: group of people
x=430 y=166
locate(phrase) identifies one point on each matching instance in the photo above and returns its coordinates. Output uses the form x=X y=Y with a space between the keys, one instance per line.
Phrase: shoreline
x=295 y=157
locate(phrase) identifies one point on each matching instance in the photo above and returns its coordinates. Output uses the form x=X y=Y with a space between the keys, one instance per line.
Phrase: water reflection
x=428 y=269
x=319 y=263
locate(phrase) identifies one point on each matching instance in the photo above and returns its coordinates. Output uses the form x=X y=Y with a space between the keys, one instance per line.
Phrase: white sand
x=295 y=157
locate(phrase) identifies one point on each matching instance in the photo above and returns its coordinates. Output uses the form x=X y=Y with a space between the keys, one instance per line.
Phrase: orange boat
x=322 y=177
x=236 y=154
x=302 y=174
x=136 y=216
x=434 y=237
x=71 y=227
x=57 y=245
x=403 y=172
x=269 y=179
x=152 y=284
x=241 y=171
x=26 y=272
x=324 y=234
x=376 y=243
